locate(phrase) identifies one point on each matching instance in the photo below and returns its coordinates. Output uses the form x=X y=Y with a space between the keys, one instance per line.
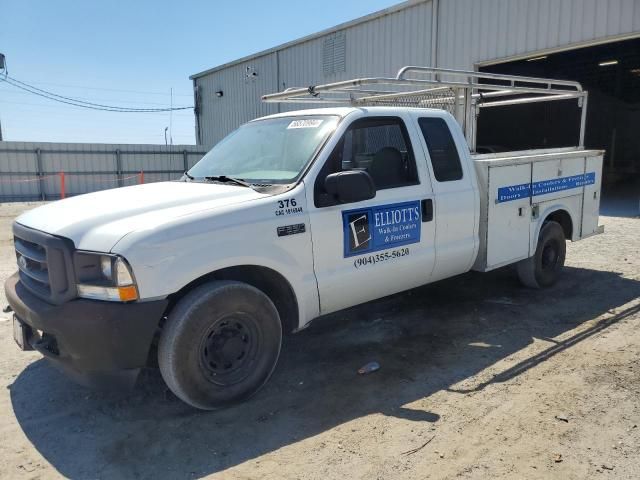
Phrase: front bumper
x=97 y=343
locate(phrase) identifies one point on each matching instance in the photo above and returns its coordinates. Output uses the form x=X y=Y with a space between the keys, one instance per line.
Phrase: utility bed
x=516 y=188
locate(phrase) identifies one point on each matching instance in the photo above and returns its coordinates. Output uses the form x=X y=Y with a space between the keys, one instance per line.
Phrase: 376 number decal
x=289 y=202
x=287 y=206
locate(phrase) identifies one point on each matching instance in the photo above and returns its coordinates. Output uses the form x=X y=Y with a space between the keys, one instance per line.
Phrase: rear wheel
x=542 y=270
x=220 y=344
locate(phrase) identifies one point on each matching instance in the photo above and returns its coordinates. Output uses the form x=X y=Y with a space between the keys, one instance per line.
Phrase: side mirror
x=350 y=186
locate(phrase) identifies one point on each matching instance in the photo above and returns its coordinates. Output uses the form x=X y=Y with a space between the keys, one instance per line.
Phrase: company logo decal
x=526 y=190
x=380 y=227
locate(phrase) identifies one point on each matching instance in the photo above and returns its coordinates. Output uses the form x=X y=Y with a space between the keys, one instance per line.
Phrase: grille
x=45 y=264
x=32 y=262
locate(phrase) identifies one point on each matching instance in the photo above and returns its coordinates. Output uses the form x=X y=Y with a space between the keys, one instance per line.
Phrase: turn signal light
x=128 y=293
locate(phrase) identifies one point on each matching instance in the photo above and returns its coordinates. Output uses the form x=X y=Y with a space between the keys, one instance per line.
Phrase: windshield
x=270 y=151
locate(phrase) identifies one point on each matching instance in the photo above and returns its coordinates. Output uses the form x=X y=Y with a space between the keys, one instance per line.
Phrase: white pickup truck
x=290 y=217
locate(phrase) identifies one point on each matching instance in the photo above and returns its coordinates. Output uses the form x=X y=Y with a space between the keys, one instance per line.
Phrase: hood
x=97 y=221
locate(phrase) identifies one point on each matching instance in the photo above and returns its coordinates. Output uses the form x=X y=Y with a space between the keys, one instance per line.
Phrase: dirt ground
x=479 y=378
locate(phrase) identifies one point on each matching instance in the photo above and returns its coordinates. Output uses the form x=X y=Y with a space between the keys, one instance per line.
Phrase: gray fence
x=47 y=171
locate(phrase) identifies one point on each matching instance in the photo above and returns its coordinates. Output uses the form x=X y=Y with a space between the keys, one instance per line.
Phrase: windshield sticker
x=544 y=187
x=381 y=227
x=307 y=123
x=287 y=206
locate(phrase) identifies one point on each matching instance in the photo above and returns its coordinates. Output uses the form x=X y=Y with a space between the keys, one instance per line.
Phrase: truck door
x=377 y=247
x=456 y=209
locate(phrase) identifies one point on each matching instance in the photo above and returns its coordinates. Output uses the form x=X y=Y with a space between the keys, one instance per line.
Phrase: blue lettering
x=544 y=187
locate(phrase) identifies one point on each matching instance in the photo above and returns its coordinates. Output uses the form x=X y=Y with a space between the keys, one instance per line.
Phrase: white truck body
x=294 y=216
x=175 y=232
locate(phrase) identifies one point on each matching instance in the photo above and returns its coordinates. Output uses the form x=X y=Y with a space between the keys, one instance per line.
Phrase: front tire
x=542 y=270
x=220 y=344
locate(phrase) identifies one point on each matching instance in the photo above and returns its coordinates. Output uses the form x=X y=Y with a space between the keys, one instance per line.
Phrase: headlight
x=104 y=277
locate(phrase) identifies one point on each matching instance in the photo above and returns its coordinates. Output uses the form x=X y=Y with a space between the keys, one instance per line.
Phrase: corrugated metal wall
x=377 y=47
x=468 y=32
x=31 y=170
x=240 y=101
x=474 y=31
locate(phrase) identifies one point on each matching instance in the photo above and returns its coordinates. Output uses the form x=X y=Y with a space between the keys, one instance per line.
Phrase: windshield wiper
x=188 y=176
x=225 y=179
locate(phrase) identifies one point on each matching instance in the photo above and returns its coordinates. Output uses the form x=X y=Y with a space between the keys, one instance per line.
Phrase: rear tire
x=220 y=344
x=542 y=270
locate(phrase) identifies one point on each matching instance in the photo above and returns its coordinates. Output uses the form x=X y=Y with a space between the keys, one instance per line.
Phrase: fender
x=167 y=258
x=543 y=215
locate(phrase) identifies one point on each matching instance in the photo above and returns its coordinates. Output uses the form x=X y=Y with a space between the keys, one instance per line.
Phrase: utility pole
x=3 y=66
x=171 y=117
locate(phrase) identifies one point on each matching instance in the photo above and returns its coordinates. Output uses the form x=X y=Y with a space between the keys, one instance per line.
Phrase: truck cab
x=290 y=217
x=415 y=229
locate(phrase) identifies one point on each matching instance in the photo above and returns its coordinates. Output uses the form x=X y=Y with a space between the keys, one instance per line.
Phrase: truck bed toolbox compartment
x=518 y=189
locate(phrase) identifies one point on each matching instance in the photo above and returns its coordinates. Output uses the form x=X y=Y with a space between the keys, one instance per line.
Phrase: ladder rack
x=462 y=93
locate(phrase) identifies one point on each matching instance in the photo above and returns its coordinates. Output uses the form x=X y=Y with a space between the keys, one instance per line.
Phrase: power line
x=56 y=109
x=81 y=103
x=75 y=100
x=9 y=90
x=84 y=87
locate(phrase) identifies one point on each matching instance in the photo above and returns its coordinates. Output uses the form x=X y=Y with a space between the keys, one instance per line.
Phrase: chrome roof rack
x=462 y=93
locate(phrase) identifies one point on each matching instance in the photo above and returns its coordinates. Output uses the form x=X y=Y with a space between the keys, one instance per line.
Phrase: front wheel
x=542 y=270
x=220 y=344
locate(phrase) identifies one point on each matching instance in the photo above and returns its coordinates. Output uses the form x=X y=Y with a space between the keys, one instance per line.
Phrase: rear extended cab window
x=442 y=149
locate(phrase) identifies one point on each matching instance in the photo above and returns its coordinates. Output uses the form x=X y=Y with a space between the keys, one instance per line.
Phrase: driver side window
x=381 y=147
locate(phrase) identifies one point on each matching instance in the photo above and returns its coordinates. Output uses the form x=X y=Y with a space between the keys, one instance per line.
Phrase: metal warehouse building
x=596 y=42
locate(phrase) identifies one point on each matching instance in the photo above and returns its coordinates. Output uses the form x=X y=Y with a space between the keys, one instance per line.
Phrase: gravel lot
x=479 y=378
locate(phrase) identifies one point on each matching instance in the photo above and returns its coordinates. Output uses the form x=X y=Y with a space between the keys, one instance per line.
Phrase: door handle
x=427 y=210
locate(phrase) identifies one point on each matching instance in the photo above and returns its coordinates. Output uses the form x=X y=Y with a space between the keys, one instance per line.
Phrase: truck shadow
x=448 y=336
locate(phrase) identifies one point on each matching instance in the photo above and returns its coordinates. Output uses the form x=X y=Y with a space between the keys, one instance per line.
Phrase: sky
x=133 y=53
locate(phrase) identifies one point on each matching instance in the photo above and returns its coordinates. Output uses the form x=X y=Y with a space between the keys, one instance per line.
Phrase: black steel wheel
x=220 y=344
x=228 y=350
x=542 y=270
